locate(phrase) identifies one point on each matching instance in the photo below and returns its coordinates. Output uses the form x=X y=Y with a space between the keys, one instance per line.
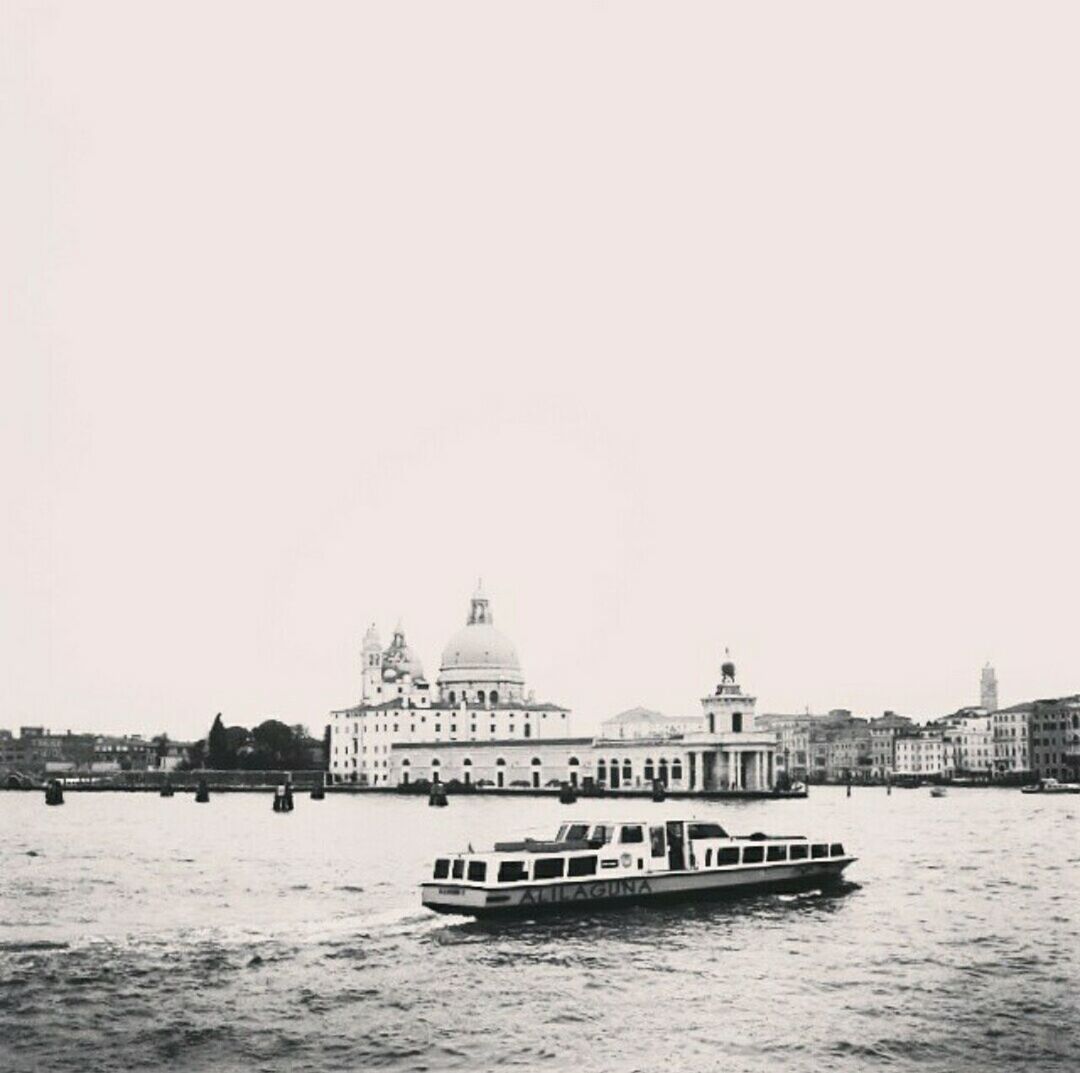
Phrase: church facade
x=478 y=696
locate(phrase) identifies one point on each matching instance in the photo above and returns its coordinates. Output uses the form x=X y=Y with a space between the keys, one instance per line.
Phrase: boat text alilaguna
x=592 y=863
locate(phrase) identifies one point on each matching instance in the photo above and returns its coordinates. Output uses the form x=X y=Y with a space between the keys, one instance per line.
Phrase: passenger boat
x=588 y=864
x=1051 y=786
x=937 y=791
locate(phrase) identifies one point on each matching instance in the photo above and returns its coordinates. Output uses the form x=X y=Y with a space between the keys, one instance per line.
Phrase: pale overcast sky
x=685 y=325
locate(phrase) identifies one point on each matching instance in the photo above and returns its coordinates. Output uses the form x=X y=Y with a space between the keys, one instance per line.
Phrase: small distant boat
x=937 y=791
x=589 y=864
x=1051 y=786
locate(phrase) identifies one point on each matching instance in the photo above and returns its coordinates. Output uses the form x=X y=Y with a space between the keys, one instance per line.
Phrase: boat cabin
x=613 y=849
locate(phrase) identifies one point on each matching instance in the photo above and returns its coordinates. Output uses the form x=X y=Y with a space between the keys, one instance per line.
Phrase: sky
x=685 y=326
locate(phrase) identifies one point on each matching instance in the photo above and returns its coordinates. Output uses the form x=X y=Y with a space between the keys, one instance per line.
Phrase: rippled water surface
x=145 y=933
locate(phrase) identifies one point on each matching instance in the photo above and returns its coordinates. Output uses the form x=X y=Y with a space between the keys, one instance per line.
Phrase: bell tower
x=988 y=693
x=371 y=660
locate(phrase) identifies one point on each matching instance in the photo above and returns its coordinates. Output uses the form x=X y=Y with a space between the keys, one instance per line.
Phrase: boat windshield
x=573 y=832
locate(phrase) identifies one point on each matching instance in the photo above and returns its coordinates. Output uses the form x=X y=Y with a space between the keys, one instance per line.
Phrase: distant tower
x=988 y=689
x=371 y=658
x=728 y=709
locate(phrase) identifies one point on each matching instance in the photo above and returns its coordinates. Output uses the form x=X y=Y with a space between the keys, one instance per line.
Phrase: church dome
x=479 y=652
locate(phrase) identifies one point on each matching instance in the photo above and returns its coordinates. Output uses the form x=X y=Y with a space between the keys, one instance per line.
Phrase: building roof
x=506 y=743
x=643 y=715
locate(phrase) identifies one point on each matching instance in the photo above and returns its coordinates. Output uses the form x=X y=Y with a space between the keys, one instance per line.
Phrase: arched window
x=650 y=772
x=453 y=697
x=627 y=772
x=405 y=762
x=736 y=722
x=573 y=761
x=466 y=762
x=500 y=762
x=536 y=761
x=676 y=770
x=493 y=696
x=663 y=771
x=601 y=771
x=434 y=761
x=480 y=695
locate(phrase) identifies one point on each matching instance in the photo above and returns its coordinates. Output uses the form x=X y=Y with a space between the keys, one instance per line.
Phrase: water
x=145 y=933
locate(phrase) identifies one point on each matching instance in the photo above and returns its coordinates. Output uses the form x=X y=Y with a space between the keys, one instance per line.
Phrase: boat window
x=459 y=869
x=659 y=841
x=707 y=830
x=708 y=858
x=836 y=849
x=799 y=853
x=442 y=868
x=548 y=867
x=578 y=832
x=753 y=854
x=477 y=871
x=632 y=834
x=776 y=853
x=561 y=836
x=512 y=871
x=581 y=866
x=818 y=850
x=602 y=833
x=730 y=855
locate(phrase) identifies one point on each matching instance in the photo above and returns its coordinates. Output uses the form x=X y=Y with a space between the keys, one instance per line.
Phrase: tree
x=217 y=746
x=278 y=744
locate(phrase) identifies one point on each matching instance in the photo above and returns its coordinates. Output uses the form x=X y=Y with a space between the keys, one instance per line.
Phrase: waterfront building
x=793 y=734
x=883 y=733
x=1012 y=740
x=12 y=753
x=729 y=753
x=500 y=764
x=478 y=696
x=1055 y=738
x=988 y=689
x=924 y=753
x=970 y=733
x=849 y=753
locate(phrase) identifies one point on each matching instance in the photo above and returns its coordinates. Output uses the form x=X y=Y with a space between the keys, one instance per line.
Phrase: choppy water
x=146 y=933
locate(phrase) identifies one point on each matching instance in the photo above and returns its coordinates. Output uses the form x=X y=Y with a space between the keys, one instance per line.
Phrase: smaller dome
x=400 y=659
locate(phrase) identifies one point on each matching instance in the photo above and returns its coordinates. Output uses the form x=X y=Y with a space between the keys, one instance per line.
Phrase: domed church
x=479 y=664
x=478 y=696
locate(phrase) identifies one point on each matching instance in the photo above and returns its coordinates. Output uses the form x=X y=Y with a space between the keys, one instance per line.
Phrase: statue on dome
x=727 y=669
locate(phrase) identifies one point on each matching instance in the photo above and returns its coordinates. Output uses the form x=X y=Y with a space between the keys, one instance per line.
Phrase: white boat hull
x=575 y=894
